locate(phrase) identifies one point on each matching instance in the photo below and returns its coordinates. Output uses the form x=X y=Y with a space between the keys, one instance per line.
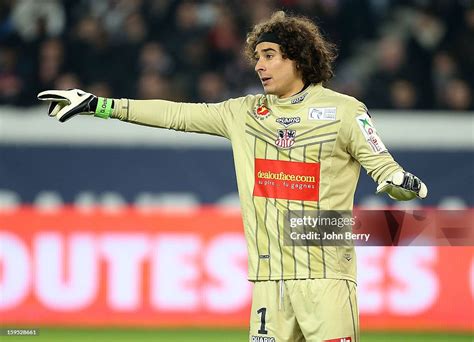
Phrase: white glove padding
x=403 y=186
x=67 y=103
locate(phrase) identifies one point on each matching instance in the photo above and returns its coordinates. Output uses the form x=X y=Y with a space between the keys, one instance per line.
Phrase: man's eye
x=268 y=56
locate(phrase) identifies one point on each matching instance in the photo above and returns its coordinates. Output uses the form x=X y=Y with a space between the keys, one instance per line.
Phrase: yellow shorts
x=313 y=310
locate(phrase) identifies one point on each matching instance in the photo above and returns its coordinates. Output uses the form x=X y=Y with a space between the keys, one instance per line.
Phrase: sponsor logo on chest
x=322 y=113
x=286 y=180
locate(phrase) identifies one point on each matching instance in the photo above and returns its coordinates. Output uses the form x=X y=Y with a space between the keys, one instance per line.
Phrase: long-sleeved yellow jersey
x=295 y=154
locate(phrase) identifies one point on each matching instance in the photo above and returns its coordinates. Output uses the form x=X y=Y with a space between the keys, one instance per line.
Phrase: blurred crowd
x=392 y=54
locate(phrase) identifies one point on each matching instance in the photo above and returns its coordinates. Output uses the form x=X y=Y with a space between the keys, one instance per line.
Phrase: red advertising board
x=162 y=268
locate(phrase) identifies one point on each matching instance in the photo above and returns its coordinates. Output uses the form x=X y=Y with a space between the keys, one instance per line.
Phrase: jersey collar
x=301 y=96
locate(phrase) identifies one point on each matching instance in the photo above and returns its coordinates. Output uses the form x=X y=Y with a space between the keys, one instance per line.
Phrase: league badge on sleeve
x=261 y=111
x=370 y=134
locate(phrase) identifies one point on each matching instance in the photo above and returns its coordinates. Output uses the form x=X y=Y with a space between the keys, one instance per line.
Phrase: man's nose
x=259 y=66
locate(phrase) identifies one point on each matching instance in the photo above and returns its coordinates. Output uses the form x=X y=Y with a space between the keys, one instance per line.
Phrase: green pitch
x=207 y=335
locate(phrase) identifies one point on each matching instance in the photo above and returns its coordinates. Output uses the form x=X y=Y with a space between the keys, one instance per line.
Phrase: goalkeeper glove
x=403 y=186
x=67 y=103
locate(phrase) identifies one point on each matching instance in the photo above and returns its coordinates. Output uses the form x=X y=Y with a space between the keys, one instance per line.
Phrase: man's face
x=278 y=75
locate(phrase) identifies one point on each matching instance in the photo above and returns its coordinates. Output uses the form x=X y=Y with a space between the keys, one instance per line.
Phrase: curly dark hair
x=301 y=41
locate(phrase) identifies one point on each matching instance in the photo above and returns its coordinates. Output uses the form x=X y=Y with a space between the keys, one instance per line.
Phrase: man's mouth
x=265 y=80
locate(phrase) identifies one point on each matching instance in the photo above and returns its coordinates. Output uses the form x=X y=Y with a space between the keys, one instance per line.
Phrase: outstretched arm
x=215 y=119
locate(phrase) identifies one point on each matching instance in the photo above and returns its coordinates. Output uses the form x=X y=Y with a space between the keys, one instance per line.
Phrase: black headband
x=269 y=37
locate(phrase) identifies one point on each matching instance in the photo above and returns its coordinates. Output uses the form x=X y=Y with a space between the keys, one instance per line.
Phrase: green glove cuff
x=400 y=194
x=104 y=107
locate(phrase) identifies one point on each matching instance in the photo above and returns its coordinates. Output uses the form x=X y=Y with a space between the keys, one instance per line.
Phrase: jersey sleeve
x=366 y=146
x=215 y=119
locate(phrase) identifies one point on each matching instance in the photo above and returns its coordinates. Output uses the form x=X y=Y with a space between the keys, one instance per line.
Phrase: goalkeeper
x=298 y=146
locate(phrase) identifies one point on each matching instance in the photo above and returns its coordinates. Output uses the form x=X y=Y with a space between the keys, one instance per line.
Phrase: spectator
x=154 y=58
x=211 y=88
x=33 y=19
x=67 y=81
x=117 y=42
x=391 y=65
x=462 y=46
x=403 y=95
x=51 y=62
x=102 y=88
x=224 y=40
x=444 y=69
x=91 y=55
x=11 y=83
x=457 y=96
x=153 y=86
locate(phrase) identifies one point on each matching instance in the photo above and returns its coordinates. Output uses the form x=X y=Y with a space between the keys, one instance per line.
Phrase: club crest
x=286 y=138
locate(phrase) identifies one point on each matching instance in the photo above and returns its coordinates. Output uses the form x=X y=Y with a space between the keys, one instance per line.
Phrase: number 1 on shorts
x=263 y=312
